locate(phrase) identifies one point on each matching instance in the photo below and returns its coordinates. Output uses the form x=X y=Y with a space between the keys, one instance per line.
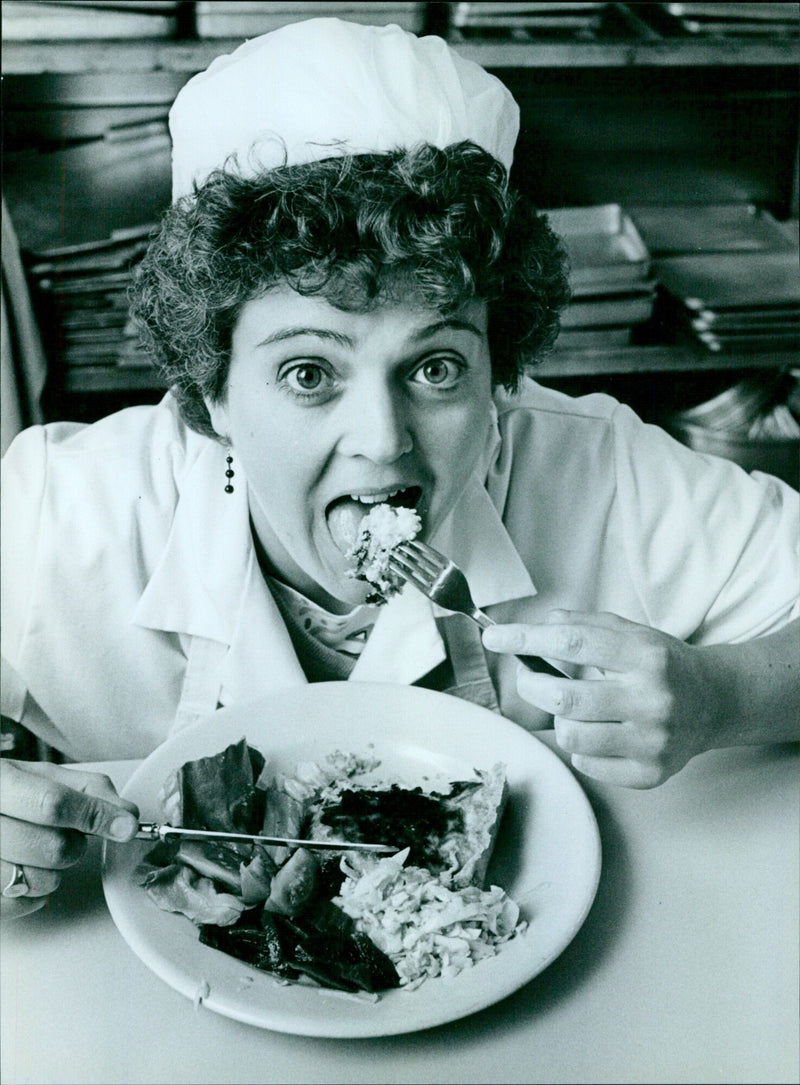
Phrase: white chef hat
x=324 y=87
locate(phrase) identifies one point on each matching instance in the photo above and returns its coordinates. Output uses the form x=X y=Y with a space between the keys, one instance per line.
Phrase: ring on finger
x=18 y=886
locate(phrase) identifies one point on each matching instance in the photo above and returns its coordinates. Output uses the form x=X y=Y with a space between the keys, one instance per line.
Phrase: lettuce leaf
x=217 y=792
x=178 y=888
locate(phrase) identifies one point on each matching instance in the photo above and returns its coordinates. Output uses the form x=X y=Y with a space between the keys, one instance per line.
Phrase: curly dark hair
x=355 y=230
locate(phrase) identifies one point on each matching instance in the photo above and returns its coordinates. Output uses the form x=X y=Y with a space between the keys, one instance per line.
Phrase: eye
x=305 y=378
x=308 y=377
x=439 y=372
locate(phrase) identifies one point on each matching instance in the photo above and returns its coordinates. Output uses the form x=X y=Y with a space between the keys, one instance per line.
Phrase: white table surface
x=686 y=969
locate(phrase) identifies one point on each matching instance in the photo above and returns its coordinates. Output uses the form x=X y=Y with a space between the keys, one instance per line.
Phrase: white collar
x=196 y=586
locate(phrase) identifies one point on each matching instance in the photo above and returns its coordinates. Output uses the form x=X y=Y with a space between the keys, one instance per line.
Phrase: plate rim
x=318 y=1025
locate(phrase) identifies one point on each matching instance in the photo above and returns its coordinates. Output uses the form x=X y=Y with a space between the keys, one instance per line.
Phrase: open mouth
x=344 y=515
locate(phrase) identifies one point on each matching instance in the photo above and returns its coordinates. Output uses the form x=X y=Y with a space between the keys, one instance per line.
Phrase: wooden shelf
x=655 y=359
x=87 y=57
x=560 y=364
x=105 y=378
x=666 y=52
x=70 y=57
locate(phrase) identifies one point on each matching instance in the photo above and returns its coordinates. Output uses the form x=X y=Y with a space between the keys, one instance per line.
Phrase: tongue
x=344 y=520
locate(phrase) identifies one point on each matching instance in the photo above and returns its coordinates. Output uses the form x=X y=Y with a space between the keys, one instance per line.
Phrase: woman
x=343 y=299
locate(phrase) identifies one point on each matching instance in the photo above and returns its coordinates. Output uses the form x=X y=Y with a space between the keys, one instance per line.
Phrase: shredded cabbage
x=426 y=927
x=380 y=531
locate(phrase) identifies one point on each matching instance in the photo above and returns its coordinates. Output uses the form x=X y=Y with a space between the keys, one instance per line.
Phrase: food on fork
x=351 y=921
x=380 y=531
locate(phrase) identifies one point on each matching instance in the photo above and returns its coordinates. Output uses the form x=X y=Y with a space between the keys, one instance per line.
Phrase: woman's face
x=329 y=412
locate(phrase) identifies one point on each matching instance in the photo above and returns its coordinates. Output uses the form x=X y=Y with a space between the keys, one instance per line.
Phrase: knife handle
x=535 y=663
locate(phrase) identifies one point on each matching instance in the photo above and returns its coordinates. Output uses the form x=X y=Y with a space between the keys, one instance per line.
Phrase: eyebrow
x=319 y=333
x=447 y=323
x=345 y=340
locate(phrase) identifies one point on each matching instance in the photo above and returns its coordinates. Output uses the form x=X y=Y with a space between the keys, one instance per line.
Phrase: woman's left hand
x=638 y=724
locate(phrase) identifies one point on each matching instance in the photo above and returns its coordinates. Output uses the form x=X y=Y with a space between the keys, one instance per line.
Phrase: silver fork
x=445 y=584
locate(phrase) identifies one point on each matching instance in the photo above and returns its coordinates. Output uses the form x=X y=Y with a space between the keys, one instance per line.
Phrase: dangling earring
x=229 y=474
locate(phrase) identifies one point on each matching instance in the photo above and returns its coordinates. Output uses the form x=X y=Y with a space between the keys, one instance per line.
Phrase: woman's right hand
x=46 y=811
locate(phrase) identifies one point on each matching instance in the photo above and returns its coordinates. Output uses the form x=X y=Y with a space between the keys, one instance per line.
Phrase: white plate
x=547 y=856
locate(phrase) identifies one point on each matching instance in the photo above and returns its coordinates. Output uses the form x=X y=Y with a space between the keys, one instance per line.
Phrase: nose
x=375 y=425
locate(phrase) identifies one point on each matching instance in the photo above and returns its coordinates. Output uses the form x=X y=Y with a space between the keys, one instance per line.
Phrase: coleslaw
x=426 y=927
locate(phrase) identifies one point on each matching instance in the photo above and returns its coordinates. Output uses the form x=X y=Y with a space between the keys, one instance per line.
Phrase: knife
x=151 y=830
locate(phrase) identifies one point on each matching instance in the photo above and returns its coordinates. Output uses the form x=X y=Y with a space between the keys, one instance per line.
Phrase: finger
x=603 y=619
x=48 y=794
x=576 y=699
x=623 y=771
x=89 y=783
x=40 y=883
x=602 y=739
x=40 y=845
x=571 y=642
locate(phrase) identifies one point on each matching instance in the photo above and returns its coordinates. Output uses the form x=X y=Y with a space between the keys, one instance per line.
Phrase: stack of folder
x=612 y=291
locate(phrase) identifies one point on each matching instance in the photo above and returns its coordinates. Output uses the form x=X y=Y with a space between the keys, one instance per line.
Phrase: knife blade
x=151 y=830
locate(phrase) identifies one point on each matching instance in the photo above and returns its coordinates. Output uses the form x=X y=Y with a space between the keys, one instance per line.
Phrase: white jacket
x=123 y=558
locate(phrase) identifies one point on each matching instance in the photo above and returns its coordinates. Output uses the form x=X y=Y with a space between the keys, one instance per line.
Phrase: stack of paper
x=59 y=20
x=609 y=276
x=240 y=18
x=735 y=20
x=82 y=215
x=81 y=295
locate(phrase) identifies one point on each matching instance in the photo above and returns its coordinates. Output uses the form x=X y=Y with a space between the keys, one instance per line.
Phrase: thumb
x=53 y=795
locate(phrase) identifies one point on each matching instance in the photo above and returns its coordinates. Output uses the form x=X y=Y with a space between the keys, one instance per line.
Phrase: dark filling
x=402 y=817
